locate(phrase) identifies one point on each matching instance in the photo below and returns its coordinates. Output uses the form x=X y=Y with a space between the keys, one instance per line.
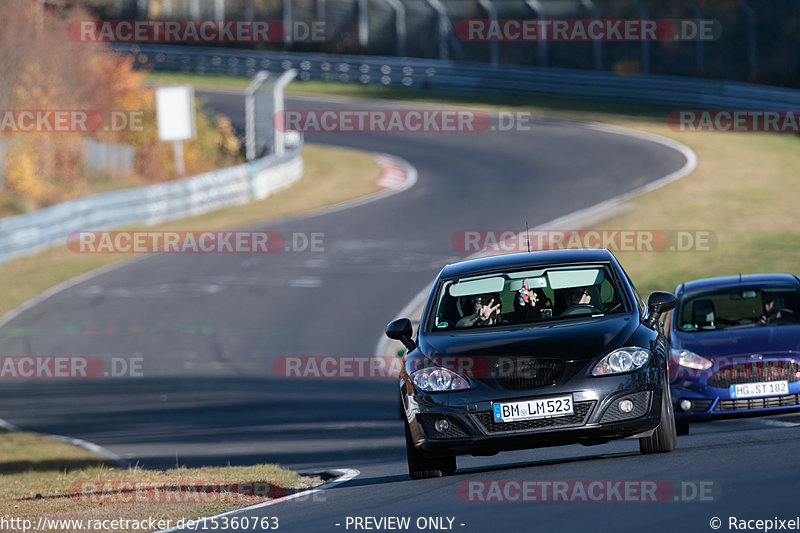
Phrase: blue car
x=735 y=348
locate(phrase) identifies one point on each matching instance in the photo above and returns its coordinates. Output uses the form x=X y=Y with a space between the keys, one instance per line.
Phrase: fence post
x=277 y=107
x=700 y=61
x=442 y=26
x=645 y=43
x=752 y=54
x=287 y=21
x=400 y=25
x=250 y=113
x=597 y=45
x=494 y=51
x=363 y=24
x=536 y=7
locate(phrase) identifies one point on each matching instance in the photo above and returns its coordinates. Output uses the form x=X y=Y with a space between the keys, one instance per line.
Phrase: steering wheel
x=581 y=309
x=785 y=313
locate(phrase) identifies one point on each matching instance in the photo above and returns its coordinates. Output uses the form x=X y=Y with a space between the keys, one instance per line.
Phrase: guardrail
x=148 y=205
x=466 y=77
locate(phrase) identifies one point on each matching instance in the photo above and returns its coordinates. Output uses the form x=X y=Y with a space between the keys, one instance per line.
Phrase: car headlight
x=438 y=379
x=621 y=360
x=690 y=359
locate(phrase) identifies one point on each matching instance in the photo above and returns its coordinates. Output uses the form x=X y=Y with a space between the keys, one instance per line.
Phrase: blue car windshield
x=526 y=297
x=739 y=307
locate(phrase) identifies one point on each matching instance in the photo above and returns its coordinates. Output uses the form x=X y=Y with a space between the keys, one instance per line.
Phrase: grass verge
x=42 y=477
x=332 y=175
x=742 y=190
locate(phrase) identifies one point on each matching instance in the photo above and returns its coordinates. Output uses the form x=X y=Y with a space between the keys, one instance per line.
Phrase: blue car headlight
x=688 y=359
x=438 y=379
x=621 y=361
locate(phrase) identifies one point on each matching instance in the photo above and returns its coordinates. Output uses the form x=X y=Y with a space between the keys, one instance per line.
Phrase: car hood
x=726 y=342
x=570 y=340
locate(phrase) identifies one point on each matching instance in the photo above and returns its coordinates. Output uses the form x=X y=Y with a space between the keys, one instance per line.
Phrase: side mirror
x=401 y=330
x=657 y=303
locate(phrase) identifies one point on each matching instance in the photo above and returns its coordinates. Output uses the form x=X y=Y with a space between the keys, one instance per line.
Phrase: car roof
x=526 y=259
x=732 y=281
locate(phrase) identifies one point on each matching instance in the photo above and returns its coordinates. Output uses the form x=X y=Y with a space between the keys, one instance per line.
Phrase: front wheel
x=664 y=438
x=421 y=467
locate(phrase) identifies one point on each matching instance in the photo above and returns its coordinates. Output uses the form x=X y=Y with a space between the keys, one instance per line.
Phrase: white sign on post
x=175 y=117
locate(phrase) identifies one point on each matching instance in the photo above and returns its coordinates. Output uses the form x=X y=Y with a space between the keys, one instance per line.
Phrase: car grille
x=528 y=373
x=582 y=410
x=744 y=404
x=755 y=371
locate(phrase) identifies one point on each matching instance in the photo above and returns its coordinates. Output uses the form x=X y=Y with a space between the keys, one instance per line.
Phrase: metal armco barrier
x=467 y=78
x=148 y=205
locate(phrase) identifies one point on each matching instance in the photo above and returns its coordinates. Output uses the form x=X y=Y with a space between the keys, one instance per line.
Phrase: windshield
x=739 y=307
x=526 y=297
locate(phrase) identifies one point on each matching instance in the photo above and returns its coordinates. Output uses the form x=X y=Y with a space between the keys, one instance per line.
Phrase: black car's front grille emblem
x=528 y=373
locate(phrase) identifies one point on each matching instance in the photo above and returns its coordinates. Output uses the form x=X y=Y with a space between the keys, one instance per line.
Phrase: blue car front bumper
x=708 y=402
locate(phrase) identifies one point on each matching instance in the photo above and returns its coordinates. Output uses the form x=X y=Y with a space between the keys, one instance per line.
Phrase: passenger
x=579 y=296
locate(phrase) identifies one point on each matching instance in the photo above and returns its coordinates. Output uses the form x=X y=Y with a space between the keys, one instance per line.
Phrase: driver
x=773 y=307
x=486 y=311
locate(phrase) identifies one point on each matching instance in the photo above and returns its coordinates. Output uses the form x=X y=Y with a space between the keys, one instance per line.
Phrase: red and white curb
x=396 y=176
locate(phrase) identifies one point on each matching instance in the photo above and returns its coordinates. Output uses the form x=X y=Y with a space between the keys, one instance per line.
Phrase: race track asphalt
x=208 y=329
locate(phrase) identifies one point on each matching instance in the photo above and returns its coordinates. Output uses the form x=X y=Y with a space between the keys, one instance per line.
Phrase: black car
x=530 y=350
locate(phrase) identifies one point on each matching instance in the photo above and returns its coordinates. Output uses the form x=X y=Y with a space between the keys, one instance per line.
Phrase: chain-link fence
x=759 y=40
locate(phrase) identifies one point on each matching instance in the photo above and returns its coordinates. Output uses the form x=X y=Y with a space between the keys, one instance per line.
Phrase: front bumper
x=711 y=403
x=716 y=402
x=596 y=418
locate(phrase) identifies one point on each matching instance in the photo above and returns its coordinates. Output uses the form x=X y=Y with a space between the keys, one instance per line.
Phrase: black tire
x=421 y=467
x=664 y=438
x=682 y=427
x=401 y=409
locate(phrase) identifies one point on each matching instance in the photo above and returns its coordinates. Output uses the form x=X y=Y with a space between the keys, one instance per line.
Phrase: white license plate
x=532 y=409
x=766 y=388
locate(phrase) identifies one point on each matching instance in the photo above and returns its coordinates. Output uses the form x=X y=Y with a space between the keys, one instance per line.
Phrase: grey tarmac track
x=211 y=326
